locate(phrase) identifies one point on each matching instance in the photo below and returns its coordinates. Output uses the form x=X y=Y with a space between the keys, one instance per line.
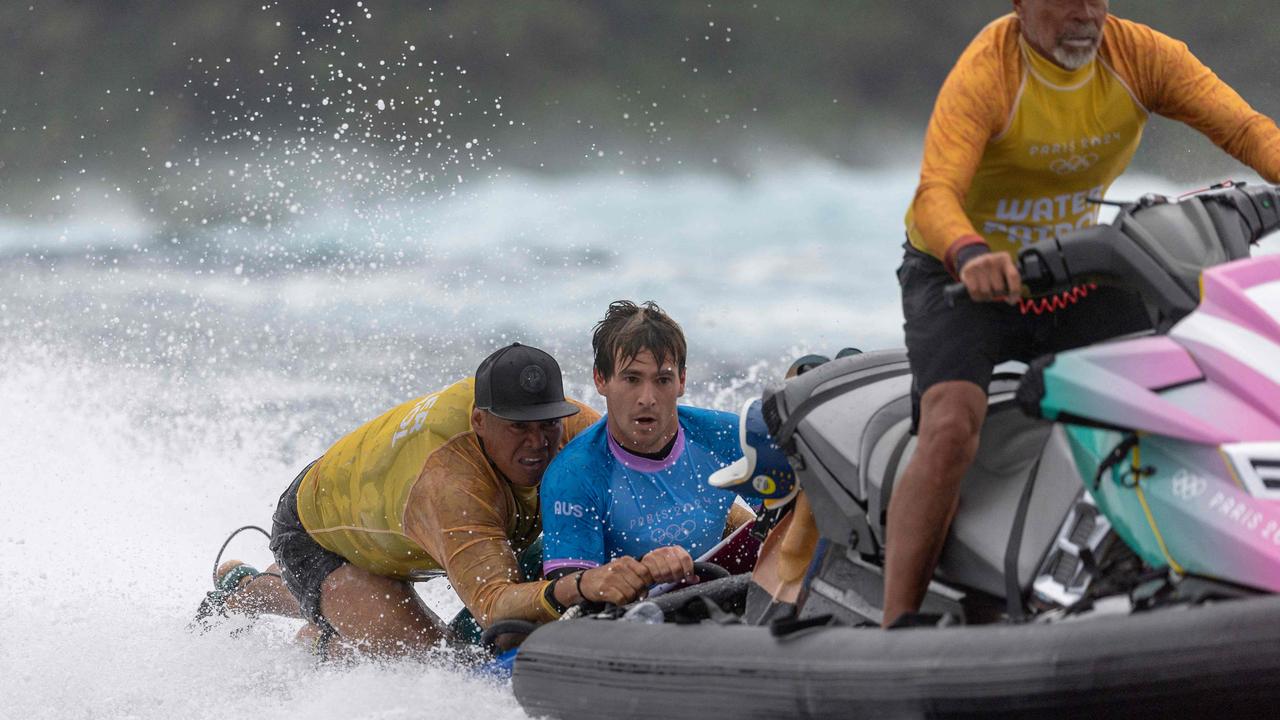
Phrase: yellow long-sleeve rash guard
x=1017 y=144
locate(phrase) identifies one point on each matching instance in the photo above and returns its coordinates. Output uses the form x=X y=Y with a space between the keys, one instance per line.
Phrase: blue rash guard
x=600 y=502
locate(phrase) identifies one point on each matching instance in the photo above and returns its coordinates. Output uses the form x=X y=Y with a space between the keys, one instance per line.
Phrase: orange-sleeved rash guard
x=1017 y=144
x=411 y=491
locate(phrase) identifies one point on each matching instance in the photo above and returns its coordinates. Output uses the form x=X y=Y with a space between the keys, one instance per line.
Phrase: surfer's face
x=641 y=400
x=521 y=450
x=1065 y=31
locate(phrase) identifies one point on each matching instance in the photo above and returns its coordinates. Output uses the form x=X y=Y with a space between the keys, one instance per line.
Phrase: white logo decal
x=567 y=509
x=1188 y=486
x=1073 y=164
x=418 y=416
x=673 y=534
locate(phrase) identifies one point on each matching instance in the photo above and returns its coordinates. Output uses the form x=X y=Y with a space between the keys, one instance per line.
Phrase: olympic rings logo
x=1187 y=486
x=673 y=534
x=1073 y=164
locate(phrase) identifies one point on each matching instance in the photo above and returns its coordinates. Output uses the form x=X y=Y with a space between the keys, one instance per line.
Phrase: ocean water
x=161 y=382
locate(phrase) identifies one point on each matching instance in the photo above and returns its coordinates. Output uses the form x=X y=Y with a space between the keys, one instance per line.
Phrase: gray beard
x=1074 y=59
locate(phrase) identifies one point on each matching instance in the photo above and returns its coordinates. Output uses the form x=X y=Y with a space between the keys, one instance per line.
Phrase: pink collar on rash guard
x=643 y=464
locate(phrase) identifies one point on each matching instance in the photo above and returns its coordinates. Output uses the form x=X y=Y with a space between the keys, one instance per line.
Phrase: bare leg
x=261 y=594
x=373 y=613
x=926 y=497
x=378 y=614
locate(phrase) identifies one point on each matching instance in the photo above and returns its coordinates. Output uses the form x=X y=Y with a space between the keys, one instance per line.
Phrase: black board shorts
x=967 y=341
x=304 y=564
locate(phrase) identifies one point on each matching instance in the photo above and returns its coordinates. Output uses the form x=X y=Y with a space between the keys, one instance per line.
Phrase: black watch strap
x=549 y=594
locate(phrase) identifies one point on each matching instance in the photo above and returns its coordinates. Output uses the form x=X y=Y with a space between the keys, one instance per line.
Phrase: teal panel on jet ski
x=1119 y=503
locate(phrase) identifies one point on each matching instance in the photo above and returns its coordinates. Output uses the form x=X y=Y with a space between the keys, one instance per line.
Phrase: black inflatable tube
x=1214 y=661
x=722 y=591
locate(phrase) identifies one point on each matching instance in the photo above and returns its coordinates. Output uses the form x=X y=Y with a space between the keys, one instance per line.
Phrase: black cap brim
x=536 y=413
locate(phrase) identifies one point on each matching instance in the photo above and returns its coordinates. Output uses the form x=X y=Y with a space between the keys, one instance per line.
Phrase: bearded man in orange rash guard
x=1043 y=110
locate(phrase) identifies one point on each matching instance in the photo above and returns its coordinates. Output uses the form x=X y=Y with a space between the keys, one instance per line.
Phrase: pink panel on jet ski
x=1228 y=410
x=1153 y=362
x=1092 y=390
x=1223 y=293
x=1159 y=361
x=1247 y=385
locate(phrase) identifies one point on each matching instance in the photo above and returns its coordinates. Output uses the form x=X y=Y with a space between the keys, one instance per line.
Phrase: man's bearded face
x=1066 y=31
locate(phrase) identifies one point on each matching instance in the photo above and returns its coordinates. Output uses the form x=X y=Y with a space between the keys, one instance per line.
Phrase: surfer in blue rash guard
x=634 y=484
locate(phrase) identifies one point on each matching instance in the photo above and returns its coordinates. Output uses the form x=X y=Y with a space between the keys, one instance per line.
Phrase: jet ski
x=1116 y=551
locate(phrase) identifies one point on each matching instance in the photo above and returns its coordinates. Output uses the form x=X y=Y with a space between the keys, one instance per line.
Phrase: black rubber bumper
x=1216 y=661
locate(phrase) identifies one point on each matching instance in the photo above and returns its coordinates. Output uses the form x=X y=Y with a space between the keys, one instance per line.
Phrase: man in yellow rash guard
x=1044 y=109
x=438 y=483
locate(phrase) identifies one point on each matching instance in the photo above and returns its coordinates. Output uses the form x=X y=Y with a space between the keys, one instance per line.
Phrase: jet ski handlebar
x=1156 y=247
x=1031 y=268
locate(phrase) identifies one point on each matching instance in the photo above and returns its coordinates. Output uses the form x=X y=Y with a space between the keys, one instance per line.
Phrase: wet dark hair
x=628 y=329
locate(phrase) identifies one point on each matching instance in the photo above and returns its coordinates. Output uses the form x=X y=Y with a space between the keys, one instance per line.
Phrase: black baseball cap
x=522 y=384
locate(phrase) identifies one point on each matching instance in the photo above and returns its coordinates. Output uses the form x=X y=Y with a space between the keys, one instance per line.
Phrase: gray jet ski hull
x=1220 y=660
